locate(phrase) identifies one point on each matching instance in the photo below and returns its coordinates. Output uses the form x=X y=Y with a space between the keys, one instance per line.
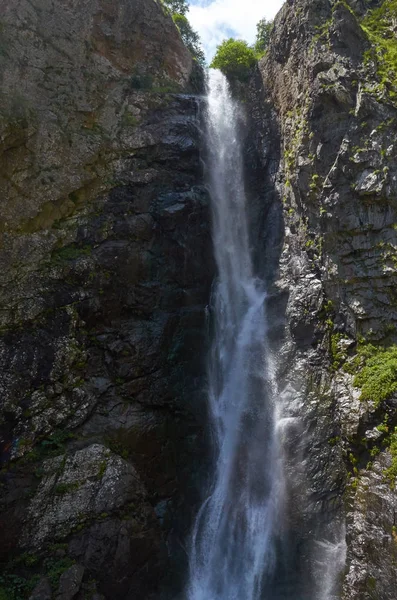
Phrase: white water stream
x=233 y=545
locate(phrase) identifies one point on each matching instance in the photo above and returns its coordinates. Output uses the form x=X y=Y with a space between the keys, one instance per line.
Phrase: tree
x=234 y=58
x=190 y=38
x=263 y=31
x=179 y=7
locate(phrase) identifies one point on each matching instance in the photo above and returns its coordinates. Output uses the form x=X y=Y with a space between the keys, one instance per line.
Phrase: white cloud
x=219 y=19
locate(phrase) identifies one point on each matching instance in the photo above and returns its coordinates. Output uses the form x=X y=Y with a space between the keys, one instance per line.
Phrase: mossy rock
x=375 y=369
x=378 y=25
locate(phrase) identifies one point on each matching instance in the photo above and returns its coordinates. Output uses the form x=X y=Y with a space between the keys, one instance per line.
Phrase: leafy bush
x=379 y=27
x=235 y=59
x=391 y=472
x=190 y=38
x=378 y=376
x=263 y=31
x=16 y=587
x=176 y=6
x=56 y=567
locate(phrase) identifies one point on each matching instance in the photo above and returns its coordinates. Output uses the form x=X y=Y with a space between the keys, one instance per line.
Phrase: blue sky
x=216 y=20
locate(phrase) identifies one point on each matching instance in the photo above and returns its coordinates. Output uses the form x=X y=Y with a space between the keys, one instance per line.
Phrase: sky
x=216 y=20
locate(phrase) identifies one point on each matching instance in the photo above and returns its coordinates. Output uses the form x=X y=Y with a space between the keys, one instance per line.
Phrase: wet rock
x=70 y=582
x=42 y=591
x=79 y=488
x=337 y=183
x=105 y=272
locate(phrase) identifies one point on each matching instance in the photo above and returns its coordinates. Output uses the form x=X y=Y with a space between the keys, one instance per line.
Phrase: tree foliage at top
x=190 y=37
x=179 y=7
x=235 y=59
x=263 y=31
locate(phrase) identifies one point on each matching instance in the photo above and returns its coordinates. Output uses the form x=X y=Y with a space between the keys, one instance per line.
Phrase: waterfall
x=233 y=547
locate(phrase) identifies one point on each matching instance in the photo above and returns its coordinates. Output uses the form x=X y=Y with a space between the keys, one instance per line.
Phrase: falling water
x=233 y=539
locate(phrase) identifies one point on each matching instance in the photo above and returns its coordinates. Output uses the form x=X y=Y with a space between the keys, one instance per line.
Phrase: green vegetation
x=391 y=472
x=180 y=7
x=102 y=469
x=376 y=372
x=235 y=59
x=190 y=37
x=129 y=119
x=118 y=446
x=15 y=587
x=379 y=27
x=338 y=349
x=56 y=567
x=66 y=488
x=141 y=81
x=334 y=440
x=54 y=445
x=71 y=252
x=315 y=182
x=263 y=31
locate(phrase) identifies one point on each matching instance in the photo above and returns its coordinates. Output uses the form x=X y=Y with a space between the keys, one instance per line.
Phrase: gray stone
x=70 y=582
x=42 y=591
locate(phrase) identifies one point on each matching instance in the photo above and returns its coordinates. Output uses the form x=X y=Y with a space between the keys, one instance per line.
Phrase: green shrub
x=235 y=59
x=176 y=6
x=66 y=488
x=377 y=376
x=338 y=350
x=190 y=37
x=56 y=567
x=263 y=31
x=391 y=472
x=378 y=25
x=15 y=587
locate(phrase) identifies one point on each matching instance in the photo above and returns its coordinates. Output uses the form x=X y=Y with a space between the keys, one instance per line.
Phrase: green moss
x=328 y=307
x=165 y=89
x=391 y=472
x=55 y=547
x=15 y=587
x=377 y=372
x=55 y=443
x=315 y=182
x=334 y=440
x=71 y=252
x=378 y=25
x=55 y=568
x=141 y=81
x=66 y=488
x=371 y=584
x=118 y=446
x=102 y=469
x=129 y=119
x=29 y=560
x=338 y=349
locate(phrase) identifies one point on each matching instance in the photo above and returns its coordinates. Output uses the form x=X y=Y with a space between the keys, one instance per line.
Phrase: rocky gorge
x=106 y=273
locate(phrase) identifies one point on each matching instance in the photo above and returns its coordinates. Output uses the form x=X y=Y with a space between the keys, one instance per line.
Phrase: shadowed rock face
x=337 y=179
x=105 y=269
x=105 y=262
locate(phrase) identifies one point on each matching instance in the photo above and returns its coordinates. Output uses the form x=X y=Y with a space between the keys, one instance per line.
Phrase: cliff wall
x=105 y=267
x=330 y=76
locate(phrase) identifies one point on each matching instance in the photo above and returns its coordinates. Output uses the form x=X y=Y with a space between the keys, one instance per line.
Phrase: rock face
x=106 y=266
x=324 y=76
x=105 y=262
